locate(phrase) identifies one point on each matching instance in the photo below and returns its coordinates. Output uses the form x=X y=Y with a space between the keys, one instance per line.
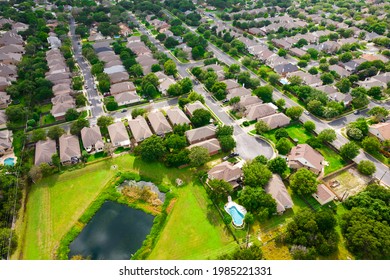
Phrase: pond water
x=115 y=232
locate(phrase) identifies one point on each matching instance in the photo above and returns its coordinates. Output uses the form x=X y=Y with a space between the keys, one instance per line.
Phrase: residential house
x=284 y=69
x=11 y=38
x=212 y=146
x=191 y=107
x=176 y=116
x=59 y=110
x=122 y=87
x=118 y=77
x=276 y=120
x=329 y=90
x=373 y=57
x=278 y=191
x=44 y=150
x=60 y=89
x=128 y=97
x=323 y=194
x=246 y=101
x=159 y=123
x=226 y=171
x=297 y=52
x=92 y=139
x=124 y=29
x=380 y=130
x=346 y=98
x=3 y=119
x=352 y=65
x=114 y=69
x=139 y=129
x=230 y=84
x=118 y=135
x=4 y=83
x=5 y=99
x=339 y=70
x=274 y=60
x=281 y=43
x=69 y=149
x=240 y=92
x=19 y=49
x=146 y=61
x=258 y=111
x=200 y=134
x=10 y=58
x=62 y=98
x=307 y=78
x=303 y=155
x=165 y=84
x=5 y=142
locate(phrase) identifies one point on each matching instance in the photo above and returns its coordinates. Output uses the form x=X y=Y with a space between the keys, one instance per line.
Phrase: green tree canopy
x=303 y=182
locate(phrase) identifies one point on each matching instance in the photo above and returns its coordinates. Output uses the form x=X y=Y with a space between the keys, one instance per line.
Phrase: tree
x=262 y=159
x=227 y=143
x=200 y=117
x=38 y=134
x=309 y=126
x=35 y=174
x=81 y=100
x=316 y=107
x=280 y=103
x=366 y=167
x=273 y=79
x=371 y=144
x=294 y=112
x=170 y=67
x=261 y=127
x=152 y=149
x=55 y=132
x=137 y=112
x=256 y=174
x=282 y=52
x=108 y=149
x=258 y=202
x=344 y=85
x=224 y=130
x=5 y=234
x=170 y=42
x=112 y=105
x=186 y=85
x=264 y=93
x=349 y=150
x=375 y=92
x=379 y=113
x=283 y=146
x=303 y=182
x=78 y=125
x=327 y=78
x=251 y=253
x=198 y=156
x=220 y=189
x=55 y=159
x=345 y=57
x=277 y=165
x=71 y=115
x=295 y=80
x=327 y=135
x=104 y=121
x=175 y=142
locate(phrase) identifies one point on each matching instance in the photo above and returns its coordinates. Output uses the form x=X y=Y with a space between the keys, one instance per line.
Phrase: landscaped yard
x=333 y=158
x=47 y=119
x=57 y=202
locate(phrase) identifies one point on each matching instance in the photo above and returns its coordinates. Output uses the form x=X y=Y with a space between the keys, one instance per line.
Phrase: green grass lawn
x=333 y=158
x=297 y=131
x=194 y=229
x=46 y=108
x=56 y=203
x=47 y=119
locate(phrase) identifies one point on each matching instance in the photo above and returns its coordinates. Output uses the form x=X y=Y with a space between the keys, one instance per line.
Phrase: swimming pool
x=9 y=161
x=237 y=216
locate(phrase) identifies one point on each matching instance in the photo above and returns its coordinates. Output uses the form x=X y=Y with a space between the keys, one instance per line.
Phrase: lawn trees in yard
x=38 y=134
x=378 y=113
x=137 y=112
x=258 y=202
x=344 y=85
x=264 y=93
x=280 y=133
x=349 y=150
x=170 y=67
x=256 y=174
x=250 y=253
x=371 y=144
x=175 y=142
x=55 y=132
x=71 y=115
x=112 y=105
x=35 y=174
x=366 y=167
x=280 y=103
x=261 y=127
x=294 y=112
x=283 y=146
x=103 y=122
x=277 y=165
x=55 y=159
x=327 y=78
x=365 y=226
x=78 y=125
x=180 y=129
x=198 y=156
x=177 y=158
x=303 y=182
x=219 y=189
x=152 y=149
x=309 y=126
x=273 y=79
x=295 y=80
x=227 y=143
x=327 y=135
x=200 y=117
x=311 y=234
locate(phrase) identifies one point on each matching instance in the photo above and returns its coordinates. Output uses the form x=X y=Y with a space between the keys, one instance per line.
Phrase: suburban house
x=339 y=70
x=5 y=142
x=200 y=134
x=240 y=91
x=212 y=145
x=69 y=149
x=246 y=101
x=146 y=61
x=5 y=99
x=278 y=191
x=276 y=120
x=92 y=139
x=307 y=78
x=191 y=107
x=258 y=111
x=285 y=68
x=59 y=110
x=323 y=194
x=230 y=84
x=122 y=87
x=118 y=135
x=164 y=85
x=3 y=119
x=303 y=155
x=118 y=77
x=159 y=123
x=177 y=116
x=380 y=130
x=297 y=52
x=140 y=129
x=44 y=150
x=226 y=171
x=125 y=98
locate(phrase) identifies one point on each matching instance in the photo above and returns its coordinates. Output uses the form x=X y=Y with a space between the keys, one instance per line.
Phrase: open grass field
x=334 y=159
x=194 y=229
x=57 y=202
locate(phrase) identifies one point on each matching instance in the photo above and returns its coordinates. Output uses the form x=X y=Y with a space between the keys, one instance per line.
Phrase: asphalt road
x=96 y=105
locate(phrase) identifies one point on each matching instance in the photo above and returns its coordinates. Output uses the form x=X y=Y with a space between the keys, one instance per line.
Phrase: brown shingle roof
x=140 y=129
x=69 y=147
x=306 y=156
x=177 y=116
x=159 y=123
x=225 y=171
x=278 y=191
x=44 y=151
x=212 y=145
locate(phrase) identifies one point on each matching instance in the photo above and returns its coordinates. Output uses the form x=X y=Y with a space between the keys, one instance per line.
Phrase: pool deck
x=4 y=157
x=239 y=207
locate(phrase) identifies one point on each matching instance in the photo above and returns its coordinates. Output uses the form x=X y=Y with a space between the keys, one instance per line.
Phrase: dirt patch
x=347 y=183
x=170 y=206
x=272 y=251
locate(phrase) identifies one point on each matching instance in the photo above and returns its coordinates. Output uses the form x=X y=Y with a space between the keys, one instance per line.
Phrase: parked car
x=306 y=112
x=230 y=156
x=356 y=112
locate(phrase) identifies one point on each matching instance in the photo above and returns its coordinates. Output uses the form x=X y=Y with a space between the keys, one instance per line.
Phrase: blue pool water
x=238 y=217
x=9 y=161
